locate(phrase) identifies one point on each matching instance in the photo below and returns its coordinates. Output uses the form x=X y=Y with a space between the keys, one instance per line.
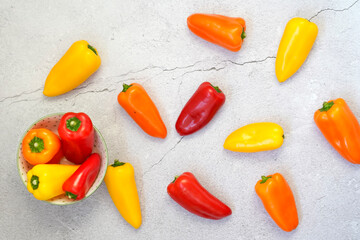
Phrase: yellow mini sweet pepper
x=79 y=62
x=120 y=182
x=45 y=181
x=255 y=137
x=295 y=45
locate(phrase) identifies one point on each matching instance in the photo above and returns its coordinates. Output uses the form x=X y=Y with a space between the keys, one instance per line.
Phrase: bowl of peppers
x=62 y=158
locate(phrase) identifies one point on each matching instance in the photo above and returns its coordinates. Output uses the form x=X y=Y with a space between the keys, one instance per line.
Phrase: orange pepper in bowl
x=40 y=146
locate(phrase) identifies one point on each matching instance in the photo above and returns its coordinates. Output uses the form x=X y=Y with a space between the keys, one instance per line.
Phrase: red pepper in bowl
x=77 y=136
x=57 y=158
x=83 y=178
x=189 y=193
x=200 y=109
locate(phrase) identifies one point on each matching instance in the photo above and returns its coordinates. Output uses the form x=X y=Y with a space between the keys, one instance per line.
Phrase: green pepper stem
x=92 y=49
x=117 y=163
x=216 y=88
x=36 y=145
x=34 y=181
x=126 y=87
x=264 y=179
x=73 y=124
x=176 y=177
x=326 y=106
x=243 y=35
x=71 y=195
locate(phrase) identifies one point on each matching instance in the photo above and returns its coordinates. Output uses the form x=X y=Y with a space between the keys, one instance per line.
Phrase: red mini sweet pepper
x=189 y=193
x=83 y=178
x=77 y=134
x=200 y=109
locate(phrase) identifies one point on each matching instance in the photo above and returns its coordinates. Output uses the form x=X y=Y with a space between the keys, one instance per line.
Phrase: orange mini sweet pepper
x=41 y=146
x=138 y=104
x=278 y=201
x=341 y=128
x=227 y=32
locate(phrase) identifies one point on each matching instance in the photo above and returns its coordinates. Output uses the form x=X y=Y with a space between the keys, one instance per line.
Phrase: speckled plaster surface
x=148 y=42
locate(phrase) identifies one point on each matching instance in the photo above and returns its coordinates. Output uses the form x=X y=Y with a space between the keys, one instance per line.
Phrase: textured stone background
x=148 y=42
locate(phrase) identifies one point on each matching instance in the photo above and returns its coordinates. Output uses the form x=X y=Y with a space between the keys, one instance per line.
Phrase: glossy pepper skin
x=278 y=201
x=77 y=135
x=227 y=32
x=45 y=181
x=189 y=193
x=200 y=109
x=255 y=137
x=295 y=45
x=340 y=128
x=40 y=146
x=120 y=182
x=78 y=184
x=79 y=62
x=138 y=104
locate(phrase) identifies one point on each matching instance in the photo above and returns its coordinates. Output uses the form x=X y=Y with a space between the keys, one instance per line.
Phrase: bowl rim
x=18 y=162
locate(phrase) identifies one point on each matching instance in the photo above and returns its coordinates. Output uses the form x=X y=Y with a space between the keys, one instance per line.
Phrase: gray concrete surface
x=148 y=42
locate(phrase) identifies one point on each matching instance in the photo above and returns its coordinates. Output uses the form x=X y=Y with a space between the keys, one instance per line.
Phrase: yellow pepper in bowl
x=45 y=181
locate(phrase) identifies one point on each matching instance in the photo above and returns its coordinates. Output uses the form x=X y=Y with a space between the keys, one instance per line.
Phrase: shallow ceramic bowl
x=51 y=122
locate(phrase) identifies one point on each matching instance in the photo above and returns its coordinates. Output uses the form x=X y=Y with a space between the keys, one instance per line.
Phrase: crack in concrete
x=66 y=225
x=184 y=67
x=162 y=158
x=152 y=67
x=250 y=62
x=178 y=92
x=20 y=94
x=320 y=198
x=85 y=86
x=214 y=68
x=200 y=70
x=133 y=72
x=334 y=10
x=93 y=91
x=226 y=61
x=24 y=100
